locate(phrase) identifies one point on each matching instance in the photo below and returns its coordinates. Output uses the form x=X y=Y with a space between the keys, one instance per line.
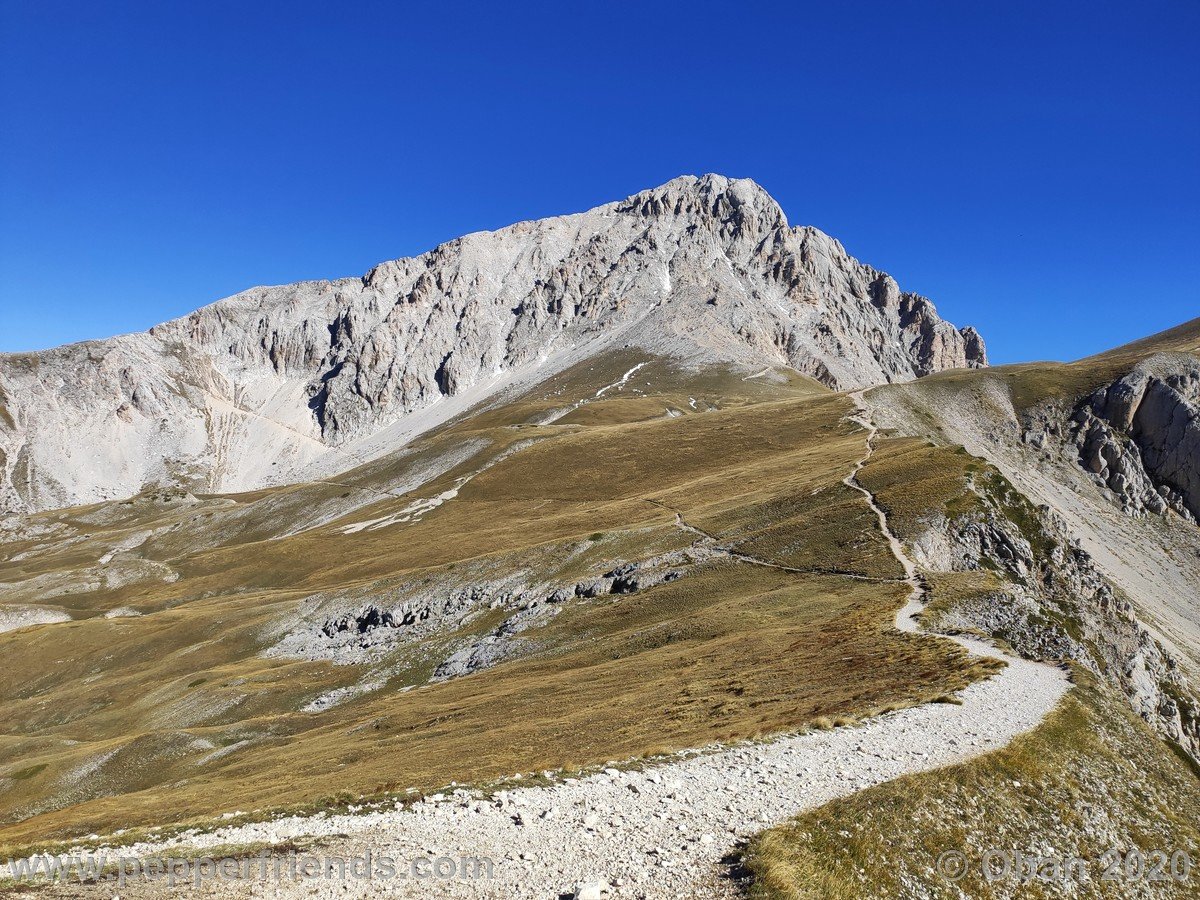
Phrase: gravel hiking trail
x=659 y=831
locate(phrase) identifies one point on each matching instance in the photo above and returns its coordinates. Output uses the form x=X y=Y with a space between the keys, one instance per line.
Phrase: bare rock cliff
x=1140 y=436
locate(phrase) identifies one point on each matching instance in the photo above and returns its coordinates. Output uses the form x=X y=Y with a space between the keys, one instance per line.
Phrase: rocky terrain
x=1092 y=524
x=668 y=507
x=1140 y=436
x=277 y=384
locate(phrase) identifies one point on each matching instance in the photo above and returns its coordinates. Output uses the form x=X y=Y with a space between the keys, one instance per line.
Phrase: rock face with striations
x=275 y=383
x=1140 y=436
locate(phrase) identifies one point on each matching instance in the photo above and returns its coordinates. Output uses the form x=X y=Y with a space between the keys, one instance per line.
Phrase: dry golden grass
x=914 y=480
x=1032 y=383
x=1090 y=777
x=732 y=651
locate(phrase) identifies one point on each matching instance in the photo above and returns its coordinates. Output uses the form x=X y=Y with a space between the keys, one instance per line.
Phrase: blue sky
x=1032 y=167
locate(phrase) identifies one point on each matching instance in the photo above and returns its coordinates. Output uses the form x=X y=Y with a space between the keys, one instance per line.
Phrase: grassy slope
x=732 y=651
x=1031 y=383
x=1090 y=779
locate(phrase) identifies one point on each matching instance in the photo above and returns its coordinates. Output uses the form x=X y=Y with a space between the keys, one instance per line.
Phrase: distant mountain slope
x=276 y=384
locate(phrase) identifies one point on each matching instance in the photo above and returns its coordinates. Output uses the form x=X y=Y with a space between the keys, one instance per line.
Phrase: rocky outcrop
x=1056 y=604
x=278 y=382
x=340 y=628
x=1140 y=436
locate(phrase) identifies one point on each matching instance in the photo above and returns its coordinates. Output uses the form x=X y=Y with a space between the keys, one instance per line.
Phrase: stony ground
x=656 y=833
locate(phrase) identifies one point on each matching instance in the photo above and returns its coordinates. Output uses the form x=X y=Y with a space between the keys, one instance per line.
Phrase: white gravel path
x=661 y=832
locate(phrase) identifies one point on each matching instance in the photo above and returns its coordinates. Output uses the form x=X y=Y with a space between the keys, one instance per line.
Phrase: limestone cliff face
x=265 y=385
x=1141 y=435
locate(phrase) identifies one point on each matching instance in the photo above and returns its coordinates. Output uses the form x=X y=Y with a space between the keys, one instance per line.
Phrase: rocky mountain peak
x=738 y=207
x=260 y=387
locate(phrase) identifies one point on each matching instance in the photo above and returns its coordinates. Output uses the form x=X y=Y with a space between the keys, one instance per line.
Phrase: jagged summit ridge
x=260 y=387
x=489 y=301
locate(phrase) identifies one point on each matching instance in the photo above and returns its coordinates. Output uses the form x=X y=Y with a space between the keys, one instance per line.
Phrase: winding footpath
x=660 y=832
